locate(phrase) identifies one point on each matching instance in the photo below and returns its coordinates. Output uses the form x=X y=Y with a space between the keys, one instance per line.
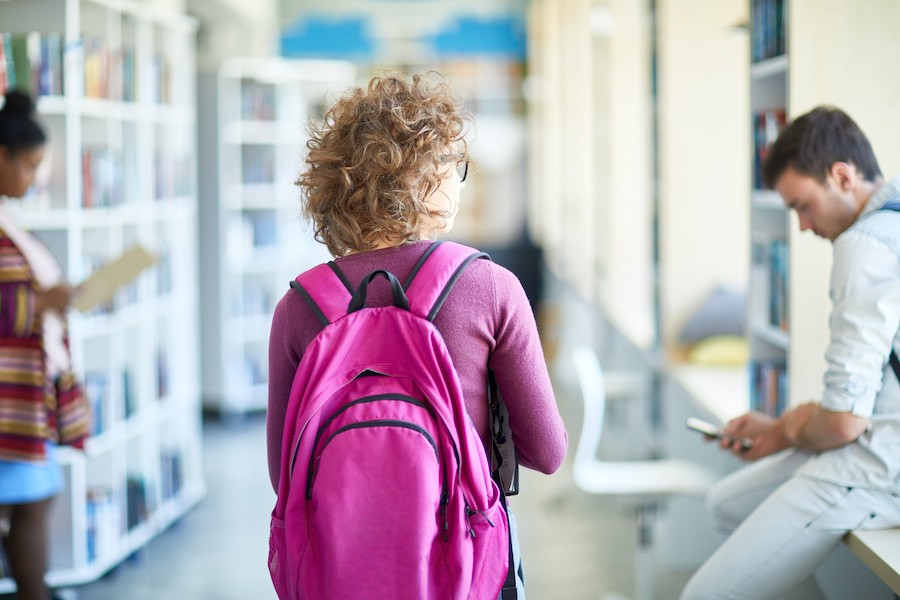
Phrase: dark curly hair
x=376 y=158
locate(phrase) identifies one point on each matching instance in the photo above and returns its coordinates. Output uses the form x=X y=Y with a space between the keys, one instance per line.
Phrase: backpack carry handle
x=358 y=300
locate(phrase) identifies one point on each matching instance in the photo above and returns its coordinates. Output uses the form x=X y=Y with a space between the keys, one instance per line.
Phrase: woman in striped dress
x=40 y=404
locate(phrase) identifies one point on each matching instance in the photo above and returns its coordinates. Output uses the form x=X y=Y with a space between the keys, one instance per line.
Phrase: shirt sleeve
x=865 y=294
x=518 y=363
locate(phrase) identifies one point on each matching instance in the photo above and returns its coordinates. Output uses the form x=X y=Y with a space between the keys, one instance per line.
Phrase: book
x=4 y=77
x=101 y=286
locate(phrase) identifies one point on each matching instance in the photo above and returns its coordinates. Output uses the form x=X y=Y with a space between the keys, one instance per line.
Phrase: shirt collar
x=886 y=193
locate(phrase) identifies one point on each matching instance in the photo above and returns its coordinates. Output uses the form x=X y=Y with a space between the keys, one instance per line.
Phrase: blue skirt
x=22 y=482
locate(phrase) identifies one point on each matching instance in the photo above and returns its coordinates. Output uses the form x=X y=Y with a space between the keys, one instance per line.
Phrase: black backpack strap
x=509 y=590
x=895 y=364
x=326 y=290
x=434 y=275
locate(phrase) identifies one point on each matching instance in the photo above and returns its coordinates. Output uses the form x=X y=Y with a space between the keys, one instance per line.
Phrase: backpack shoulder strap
x=435 y=274
x=326 y=290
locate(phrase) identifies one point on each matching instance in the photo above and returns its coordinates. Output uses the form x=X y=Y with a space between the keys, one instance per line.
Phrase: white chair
x=643 y=482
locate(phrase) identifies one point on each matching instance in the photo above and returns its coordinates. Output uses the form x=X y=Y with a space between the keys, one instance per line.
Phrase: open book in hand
x=102 y=285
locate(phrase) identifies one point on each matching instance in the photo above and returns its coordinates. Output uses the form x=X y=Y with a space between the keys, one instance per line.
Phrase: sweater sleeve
x=524 y=382
x=284 y=357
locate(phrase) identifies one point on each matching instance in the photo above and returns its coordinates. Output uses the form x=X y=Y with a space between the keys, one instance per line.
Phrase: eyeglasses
x=462 y=169
x=462 y=164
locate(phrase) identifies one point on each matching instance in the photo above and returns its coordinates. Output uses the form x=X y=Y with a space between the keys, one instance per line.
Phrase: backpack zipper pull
x=445 y=500
x=469 y=512
x=486 y=518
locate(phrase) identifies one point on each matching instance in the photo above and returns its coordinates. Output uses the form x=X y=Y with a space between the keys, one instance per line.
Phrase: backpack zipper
x=445 y=500
x=363 y=400
x=365 y=425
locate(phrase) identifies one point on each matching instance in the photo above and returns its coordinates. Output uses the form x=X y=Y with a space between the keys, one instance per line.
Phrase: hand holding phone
x=710 y=430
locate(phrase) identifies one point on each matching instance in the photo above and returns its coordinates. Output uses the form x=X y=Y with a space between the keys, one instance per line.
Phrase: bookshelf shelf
x=252 y=240
x=772 y=336
x=769 y=67
x=113 y=121
x=768 y=200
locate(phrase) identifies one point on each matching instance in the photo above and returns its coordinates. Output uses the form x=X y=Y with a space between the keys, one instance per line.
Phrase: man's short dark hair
x=817 y=140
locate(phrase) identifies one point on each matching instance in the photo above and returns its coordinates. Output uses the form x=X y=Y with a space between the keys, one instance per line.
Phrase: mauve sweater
x=486 y=322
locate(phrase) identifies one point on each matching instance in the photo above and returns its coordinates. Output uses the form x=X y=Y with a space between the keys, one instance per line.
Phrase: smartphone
x=712 y=431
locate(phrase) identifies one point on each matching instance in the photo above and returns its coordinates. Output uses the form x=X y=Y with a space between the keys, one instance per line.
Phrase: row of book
x=770 y=263
x=768 y=29
x=172 y=175
x=778 y=284
x=162 y=373
x=110 y=513
x=99 y=391
x=104 y=522
x=767 y=125
x=248 y=371
x=768 y=386
x=257 y=165
x=171 y=473
x=252 y=231
x=109 y=72
x=257 y=101
x=102 y=177
x=32 y=63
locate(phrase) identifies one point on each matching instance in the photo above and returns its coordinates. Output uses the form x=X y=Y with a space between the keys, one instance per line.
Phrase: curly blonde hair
x=376 y=158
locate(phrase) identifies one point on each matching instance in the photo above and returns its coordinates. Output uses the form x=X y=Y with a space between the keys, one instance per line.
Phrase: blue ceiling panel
x=328 y=37
x=466 y=35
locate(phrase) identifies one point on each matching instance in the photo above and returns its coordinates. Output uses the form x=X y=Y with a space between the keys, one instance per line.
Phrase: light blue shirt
x=864 y=326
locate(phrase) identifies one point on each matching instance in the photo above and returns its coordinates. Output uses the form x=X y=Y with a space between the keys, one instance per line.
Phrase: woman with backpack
x=383 y=179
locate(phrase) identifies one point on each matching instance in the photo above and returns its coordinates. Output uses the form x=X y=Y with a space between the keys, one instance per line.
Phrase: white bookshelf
x=768 y=314
x=796 y=81
x=253 y=240
x=125 y=120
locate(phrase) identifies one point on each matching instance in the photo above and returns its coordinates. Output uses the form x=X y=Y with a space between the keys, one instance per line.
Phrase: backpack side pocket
x=278 y=563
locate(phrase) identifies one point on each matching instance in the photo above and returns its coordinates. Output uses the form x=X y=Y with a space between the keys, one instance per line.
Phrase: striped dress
x=33 y=408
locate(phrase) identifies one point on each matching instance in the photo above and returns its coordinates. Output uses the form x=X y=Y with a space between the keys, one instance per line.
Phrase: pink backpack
x=385 y=489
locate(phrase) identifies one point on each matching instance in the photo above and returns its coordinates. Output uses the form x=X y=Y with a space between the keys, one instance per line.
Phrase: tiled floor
x=575 y=546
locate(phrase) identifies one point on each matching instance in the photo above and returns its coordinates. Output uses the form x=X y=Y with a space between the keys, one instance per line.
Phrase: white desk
x=725 y=393
x=880 y=551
